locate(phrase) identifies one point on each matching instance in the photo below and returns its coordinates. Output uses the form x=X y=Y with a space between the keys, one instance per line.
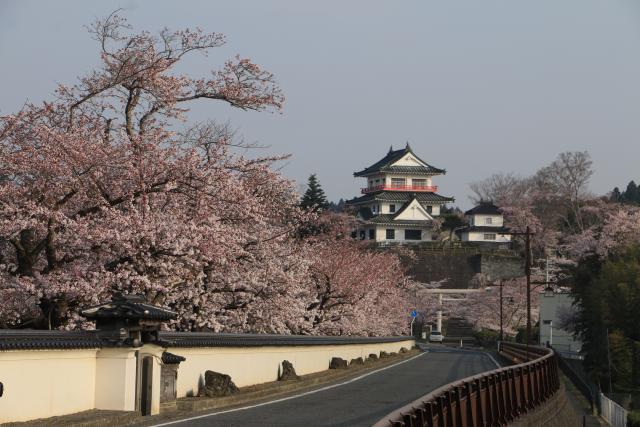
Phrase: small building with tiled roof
x=400 y=201
x=485 y=225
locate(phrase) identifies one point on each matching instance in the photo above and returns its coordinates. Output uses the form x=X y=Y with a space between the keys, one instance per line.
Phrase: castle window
x=390 y=234
x=372 y=234
x=398 y=182
x=429 y=209
x=488 y=221
x=412 y=234
x=490 y=236
x=419 y=182
x=392 y=208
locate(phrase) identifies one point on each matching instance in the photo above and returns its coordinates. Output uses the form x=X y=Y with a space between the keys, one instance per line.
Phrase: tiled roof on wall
x=24 y=339
x=210 y=339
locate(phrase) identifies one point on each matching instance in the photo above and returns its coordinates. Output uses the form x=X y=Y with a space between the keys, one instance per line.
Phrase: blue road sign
x=414 y=313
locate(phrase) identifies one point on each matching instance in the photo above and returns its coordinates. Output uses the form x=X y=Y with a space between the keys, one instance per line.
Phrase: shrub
x=633 y=419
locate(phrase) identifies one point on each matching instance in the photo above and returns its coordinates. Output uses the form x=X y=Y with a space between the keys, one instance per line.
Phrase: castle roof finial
x=408 y=147
x=390 y=148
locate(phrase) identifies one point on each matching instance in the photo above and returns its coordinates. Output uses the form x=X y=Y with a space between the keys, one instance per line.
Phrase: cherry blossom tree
x=109 y=189
x=564 y=184
x=613 y=228
x=354 y=288
x=482 y=309
x=103 y=192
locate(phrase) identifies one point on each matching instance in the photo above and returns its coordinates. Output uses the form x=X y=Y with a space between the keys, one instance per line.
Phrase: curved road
x=357 y=403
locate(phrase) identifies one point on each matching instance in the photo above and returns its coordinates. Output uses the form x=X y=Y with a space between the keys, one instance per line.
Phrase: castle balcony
x=385 y=187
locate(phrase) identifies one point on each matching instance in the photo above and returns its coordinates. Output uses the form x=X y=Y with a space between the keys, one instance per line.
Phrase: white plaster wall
x=479 y=237
x=255 y=365
x=381 y=234
x=115 y=385
x=496 y=220
x=435 y=209
x=46 y=383
x=549 y=310
x=408 y=160
x=415 y=211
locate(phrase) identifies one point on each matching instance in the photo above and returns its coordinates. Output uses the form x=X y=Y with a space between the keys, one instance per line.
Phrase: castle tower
x=400 y=201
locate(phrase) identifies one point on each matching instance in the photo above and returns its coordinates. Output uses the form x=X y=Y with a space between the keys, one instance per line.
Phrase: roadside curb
x=273 y=399
x=267 y=393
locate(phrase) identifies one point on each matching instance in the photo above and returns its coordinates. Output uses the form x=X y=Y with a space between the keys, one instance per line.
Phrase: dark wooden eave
x=385 y=165
x=132 y=307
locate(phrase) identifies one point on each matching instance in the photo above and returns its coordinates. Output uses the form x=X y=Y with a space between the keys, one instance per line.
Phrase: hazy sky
x=477 y=87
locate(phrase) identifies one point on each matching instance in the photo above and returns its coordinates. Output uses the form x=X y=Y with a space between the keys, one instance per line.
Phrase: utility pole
x=609 y=361
x=527 y=270
x=501 y=317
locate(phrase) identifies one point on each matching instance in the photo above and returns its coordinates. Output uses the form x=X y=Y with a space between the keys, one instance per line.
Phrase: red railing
x=427 y=188
x=494 y=398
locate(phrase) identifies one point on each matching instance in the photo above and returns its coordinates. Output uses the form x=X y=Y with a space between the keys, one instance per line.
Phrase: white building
x=486 y=225
x=552 y=306
x=400 y=200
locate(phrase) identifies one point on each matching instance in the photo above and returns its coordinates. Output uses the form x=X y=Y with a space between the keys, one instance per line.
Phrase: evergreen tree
x=616 y=196
x=314 y=198
x=337 y=207
x=631 y=194
x=608 y=292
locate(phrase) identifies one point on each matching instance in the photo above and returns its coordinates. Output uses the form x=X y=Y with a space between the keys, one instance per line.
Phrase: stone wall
x=497 y=266
x=460 y=267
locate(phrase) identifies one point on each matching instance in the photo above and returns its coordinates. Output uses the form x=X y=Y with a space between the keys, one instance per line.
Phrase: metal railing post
x=493 y=398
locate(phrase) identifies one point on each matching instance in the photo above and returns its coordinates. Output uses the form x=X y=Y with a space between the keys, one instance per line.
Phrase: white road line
x=493 y=360
x=290 y=397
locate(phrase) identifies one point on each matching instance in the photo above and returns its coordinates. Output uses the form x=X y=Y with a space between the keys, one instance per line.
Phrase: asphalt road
x=361 y=402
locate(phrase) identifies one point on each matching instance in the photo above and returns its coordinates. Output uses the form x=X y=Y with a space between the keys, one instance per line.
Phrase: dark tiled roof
x=365 y=213
x=128 y=307
x=209 y=339
x=25 y=339
x=171 y=359
x=413 y=170
x=384 y=165
x=388 y=219
x=400 y=196
x=486 y=229
x=484 y=208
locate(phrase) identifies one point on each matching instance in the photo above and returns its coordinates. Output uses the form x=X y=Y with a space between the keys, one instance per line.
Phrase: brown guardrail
x=493 y=398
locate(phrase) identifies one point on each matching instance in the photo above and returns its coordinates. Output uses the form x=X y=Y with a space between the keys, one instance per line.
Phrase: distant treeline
x=630 y=195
